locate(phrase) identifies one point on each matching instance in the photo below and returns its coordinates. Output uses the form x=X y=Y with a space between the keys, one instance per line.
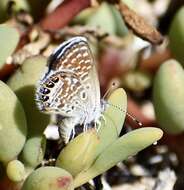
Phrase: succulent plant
x=23 y=82
x=119 y=150
x=13 y=126
x=176 y=35
x=121 y=29
x=6 y=49
x=15 y=171
x=105 y=17
x=89 y=145
x=24 y=151
x=47 y=178
x=99 y=19
x=137 y=80
x=168 y=96
x=79 y=153
x=88 y=155
x=106 y=148
x=33 y=152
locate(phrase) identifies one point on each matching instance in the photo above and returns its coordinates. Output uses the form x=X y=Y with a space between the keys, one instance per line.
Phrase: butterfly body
x=70 y=86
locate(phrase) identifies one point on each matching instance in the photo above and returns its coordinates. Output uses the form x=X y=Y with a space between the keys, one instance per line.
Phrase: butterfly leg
x=73 y=133
x=103 y=118
x=98 y=122
x=85 y=127
x=98 y=125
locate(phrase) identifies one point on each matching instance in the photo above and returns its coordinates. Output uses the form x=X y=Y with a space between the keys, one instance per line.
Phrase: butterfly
x=70 y=86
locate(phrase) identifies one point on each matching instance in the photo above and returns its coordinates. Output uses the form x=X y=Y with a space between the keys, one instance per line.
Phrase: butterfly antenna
x=134 y=119
x=109 y=90
x=127 y=114
x=113 y=85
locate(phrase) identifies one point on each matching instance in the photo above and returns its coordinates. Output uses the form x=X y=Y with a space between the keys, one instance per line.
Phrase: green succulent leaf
x=121 y=149
x=79 y=153
x=176 y=35
x=49 y=178
x=8 y=40
x=23 y=82
x=33 y=151
x=13 y=127
x=168 y=96
x=114 y=117
x=137 y=80
x=121 y=29
x=15 y=171
x=103 y=19
x=84 y=15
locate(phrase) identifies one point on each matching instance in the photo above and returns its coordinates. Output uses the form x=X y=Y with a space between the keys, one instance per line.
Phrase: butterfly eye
x=55 y=79
x=50 y=84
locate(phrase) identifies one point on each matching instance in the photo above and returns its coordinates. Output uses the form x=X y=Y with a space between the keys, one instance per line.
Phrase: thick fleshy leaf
x=33 y=151
x=79 y=153
x=137 y=81
x=121 y=149
x=84 y=15
x=103 y=19
x=49 y=178
x=114 y=118
x=8 y=40
x=121 y=29
x=13 y=125
x=15 y=171
x=176 y=35
x=23 y=82
x=168 y=96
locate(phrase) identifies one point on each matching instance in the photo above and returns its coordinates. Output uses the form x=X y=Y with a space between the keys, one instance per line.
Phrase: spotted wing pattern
x=68 y=69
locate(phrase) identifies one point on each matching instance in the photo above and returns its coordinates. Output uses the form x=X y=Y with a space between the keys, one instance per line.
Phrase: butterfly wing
x=71 y=82
x=74 y=57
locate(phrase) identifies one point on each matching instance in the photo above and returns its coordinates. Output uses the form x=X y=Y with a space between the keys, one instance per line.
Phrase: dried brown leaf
x=138 y=25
